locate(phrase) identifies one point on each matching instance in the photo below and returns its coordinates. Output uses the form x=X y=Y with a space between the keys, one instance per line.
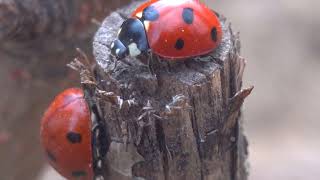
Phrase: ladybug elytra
x=67 y=137
x=176 y=29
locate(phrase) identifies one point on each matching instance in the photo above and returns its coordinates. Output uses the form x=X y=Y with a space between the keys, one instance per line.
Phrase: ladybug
x=73 y=138
x=172 y=29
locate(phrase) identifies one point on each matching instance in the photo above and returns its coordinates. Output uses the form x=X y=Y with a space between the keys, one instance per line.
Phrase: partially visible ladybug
x=172 y=29
x=73 y=138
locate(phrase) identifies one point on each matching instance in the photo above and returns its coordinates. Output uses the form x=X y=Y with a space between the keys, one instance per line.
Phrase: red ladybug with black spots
x=172 y=29
x=73 y=145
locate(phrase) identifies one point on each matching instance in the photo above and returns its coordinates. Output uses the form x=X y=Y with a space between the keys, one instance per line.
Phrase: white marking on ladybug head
x=146 y=25
x=112 y=45
x=139 y=15
x=134 y=50
x=117 y=51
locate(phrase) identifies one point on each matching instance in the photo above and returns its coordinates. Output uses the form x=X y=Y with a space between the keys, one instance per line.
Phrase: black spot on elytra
x=188 y=15
x=150 y=13
x=79 y=173
x=74 y=137
x=51 y=156
x=179 y=44
x=214 y=34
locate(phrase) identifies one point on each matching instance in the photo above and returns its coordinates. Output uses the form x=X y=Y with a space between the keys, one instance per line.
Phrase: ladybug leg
x=209 y=58
x=168 y=66
x=216 y=60
x=204 y=59
x=150 y=63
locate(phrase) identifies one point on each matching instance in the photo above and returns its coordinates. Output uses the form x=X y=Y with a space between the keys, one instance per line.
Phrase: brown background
x=282 y=46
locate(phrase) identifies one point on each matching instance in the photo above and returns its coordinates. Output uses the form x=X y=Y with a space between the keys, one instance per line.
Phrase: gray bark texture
x=181 y=123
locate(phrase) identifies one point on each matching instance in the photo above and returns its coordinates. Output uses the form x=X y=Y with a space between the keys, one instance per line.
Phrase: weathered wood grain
x=183 y=122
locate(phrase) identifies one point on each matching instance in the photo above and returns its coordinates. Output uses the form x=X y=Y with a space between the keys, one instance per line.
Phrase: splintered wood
x=181 y=123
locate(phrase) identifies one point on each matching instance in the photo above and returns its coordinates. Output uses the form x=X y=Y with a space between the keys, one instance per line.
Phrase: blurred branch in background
x=27 y=20
x=37 y=39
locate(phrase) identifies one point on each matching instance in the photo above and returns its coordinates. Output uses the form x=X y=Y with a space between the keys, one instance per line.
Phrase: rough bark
x=181 y=123
x=37 y=39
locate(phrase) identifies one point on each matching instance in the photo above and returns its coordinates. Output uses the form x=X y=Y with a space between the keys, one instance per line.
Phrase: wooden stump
x=183 y=122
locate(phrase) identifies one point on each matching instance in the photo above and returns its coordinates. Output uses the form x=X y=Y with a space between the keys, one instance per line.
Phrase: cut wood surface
x=181 y=123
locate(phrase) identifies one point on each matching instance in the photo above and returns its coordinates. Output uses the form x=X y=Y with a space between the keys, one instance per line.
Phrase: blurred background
x=281 y=44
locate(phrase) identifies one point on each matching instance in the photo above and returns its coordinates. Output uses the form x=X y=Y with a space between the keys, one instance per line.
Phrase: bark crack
x=163 y=148
x=196 y=133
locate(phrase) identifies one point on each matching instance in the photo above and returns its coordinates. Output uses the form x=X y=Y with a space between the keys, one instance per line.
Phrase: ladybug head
x=132 y=39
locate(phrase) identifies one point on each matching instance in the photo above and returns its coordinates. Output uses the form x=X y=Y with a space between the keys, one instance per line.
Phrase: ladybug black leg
x=150 y=63
x=168 y=66
x=216 y=60
x=209 y=58
x=204 y=59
